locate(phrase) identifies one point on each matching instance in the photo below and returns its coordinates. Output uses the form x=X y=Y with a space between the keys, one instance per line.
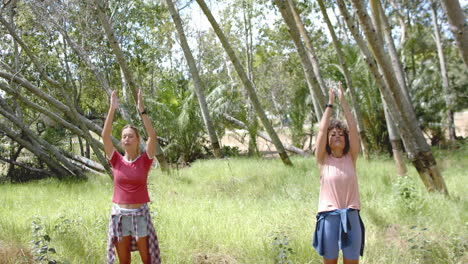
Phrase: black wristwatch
x=144 y=112
x=329 y=105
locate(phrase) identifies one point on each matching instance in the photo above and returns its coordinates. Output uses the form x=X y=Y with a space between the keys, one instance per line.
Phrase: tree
x=444 y=73
x=419 y=151
x=198 y=85
x=106 y=25
x=458 y=25
x=392 y=123
x=349 y=81
x=318 y=97
x=247 y=84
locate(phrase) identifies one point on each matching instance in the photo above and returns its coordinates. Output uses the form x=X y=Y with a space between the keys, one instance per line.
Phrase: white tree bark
x=106 y=24
x=443 y=71
x=316 y=93
x=457 y=19
x=418 y=149
x=197 y=82
x=349 y=80
x=247 y=84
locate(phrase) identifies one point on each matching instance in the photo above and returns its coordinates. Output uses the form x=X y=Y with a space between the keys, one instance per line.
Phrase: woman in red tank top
x=130 y=226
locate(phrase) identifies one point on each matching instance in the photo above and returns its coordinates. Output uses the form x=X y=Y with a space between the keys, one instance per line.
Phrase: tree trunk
x=395 y=141
x=387 y=32
x=401 y=21
x=349 y=81
x=444 y=73
x=101 y=11
x=71 y=112
x=247 y=84
x=418 y=149
x=75 y=130
x=54 y=152
x=308 y=45
x=458 y=25
x=252 y=121
x=316 y=93
x=58 y=169
x=197 y=82
x=15 y=163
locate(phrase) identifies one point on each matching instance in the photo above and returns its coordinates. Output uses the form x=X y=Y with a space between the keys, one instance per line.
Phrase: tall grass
x=246 y=210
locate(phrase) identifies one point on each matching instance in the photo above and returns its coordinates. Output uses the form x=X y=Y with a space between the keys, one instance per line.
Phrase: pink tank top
x=130 y=179
x=338 y=184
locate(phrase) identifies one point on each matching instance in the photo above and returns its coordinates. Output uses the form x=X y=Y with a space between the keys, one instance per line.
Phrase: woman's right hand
x=331 y=95
x=114 y=100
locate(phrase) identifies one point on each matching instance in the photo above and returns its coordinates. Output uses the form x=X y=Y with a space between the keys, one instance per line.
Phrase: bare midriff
x=129 y=206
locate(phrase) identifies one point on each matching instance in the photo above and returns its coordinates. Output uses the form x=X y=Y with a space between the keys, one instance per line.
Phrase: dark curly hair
x=334 y=123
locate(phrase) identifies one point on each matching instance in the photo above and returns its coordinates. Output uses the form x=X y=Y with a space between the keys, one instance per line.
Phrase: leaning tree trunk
x=247 y=84
x=444 y=73
x=415 y=143
x=197 y=82
x=252 y=121
x=58 y=169
x=106 y=24
x=316 y=93
x=395 y=141
x=70 y=111
x=308 y=45
x=401 y=21
x=373 y=68
x=458 y=25
x=52 y=150
x=17 y=78
x=349 y=80
x=383 y=26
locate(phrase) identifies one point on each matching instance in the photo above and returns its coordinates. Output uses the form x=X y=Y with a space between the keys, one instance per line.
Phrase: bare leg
x=330 y=261
x=350 y=261
x=123 y=250
x=143 y=248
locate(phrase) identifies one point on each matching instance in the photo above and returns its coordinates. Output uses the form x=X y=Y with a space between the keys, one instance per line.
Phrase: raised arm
x=107 y=130
x=352 y=127
x=151 y=142
x=321 y=141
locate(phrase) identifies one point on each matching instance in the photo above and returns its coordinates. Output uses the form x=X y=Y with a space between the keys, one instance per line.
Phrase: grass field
x=242 y=210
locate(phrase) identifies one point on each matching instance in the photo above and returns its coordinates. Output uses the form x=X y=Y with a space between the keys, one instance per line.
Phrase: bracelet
x=144 y=112
x=329 y=105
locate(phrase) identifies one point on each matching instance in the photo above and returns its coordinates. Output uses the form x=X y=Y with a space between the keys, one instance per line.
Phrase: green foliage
x=41 y=249
x=176 y=113
x=281 y=248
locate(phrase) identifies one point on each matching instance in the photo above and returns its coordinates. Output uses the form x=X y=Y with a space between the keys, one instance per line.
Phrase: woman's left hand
x=340 y=93
x=140 y=106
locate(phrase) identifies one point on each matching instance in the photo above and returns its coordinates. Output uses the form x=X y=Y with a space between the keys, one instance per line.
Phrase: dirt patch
x=14 y=254
x=215 y=258
x=239 y=138
x=461 y=123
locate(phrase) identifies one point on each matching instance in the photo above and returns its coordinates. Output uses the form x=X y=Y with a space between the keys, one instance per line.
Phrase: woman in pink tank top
x=130 y=225
x=339 y=225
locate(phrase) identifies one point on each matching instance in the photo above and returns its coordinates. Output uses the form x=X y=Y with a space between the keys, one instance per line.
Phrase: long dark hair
x=334 y=123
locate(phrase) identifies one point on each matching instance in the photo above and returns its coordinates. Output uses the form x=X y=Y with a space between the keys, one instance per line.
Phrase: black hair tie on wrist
x=329 y=105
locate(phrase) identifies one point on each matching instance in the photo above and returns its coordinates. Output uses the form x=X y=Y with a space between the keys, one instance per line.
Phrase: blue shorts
x=127 y=226
x=342 y=229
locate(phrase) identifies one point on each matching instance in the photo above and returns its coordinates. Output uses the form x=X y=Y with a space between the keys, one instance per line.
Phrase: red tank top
x=130 y=178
